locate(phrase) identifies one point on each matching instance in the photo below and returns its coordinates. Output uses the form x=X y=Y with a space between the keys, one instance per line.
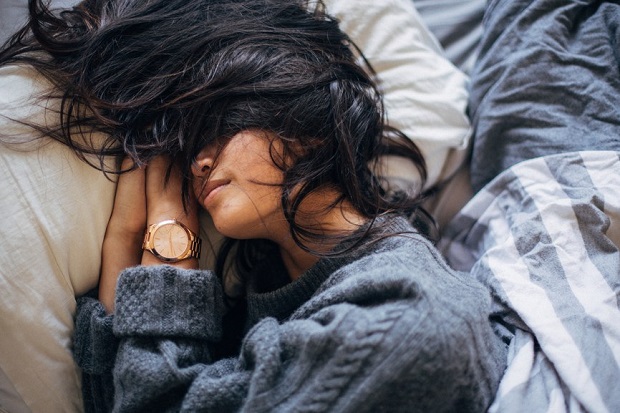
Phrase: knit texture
x=385 y=327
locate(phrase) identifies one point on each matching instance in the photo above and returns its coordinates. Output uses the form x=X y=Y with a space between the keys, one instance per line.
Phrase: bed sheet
x=546 y=81
x=13 y=14
x=544 y=238
x=457 y=25
x=543 y=229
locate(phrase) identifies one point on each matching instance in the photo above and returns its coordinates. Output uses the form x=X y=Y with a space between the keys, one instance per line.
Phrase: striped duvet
x=544 y=237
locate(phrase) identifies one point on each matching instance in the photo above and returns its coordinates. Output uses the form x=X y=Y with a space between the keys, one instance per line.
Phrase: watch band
x=194 y=246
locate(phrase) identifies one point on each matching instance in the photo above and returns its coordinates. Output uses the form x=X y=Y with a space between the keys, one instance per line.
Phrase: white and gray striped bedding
x=544 y=237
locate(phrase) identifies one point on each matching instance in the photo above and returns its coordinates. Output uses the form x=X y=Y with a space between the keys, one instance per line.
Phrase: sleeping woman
x=325 y=296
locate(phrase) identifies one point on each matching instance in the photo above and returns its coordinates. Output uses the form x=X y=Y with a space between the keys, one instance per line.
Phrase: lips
x=211 y=186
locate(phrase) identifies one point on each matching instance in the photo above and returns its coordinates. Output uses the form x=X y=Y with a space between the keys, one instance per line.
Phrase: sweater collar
x=282 y=302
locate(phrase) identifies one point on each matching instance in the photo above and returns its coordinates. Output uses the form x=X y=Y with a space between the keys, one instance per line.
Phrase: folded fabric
x=544 y=237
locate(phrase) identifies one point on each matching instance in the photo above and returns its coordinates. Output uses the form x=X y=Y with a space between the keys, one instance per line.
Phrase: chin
x=235 y=228
x=242 y=221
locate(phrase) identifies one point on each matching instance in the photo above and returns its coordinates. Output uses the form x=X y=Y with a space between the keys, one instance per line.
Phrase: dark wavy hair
x=171 y=76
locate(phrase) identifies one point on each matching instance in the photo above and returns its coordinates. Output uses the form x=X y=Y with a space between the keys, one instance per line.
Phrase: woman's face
x=242 y=192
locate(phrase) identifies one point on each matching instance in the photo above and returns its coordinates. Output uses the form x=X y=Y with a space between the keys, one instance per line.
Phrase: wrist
x=162 y=211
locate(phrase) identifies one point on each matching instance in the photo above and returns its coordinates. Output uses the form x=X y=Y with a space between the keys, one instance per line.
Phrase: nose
x=202 y=164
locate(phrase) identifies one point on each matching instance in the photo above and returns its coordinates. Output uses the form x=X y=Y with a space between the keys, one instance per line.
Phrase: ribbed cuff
x=166 y=301
x=94 y=346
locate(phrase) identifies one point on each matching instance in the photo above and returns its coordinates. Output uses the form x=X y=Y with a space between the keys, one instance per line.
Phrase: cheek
x=245 y=213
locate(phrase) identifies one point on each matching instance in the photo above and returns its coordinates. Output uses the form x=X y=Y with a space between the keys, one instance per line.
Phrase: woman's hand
x=164 y=201
x=122 y=245
x=142 y=198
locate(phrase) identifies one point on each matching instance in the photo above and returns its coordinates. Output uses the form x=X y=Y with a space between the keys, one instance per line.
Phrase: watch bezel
x=188 y=239
x=149 y=241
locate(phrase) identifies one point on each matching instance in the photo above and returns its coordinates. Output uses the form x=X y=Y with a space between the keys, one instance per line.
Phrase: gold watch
x=171 y=241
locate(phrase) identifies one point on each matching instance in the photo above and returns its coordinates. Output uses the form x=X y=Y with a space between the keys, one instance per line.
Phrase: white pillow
x=54 y=211
x=425 y=95
x=55 y=208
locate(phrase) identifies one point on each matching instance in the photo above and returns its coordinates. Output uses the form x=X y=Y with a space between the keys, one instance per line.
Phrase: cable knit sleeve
x=156 y=307
x=94 y=350
x=402 y=355
x=367 y=341
x=166 y=301
x=406 y=353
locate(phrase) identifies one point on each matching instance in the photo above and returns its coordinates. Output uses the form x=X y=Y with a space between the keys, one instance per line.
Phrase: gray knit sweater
x=387 y=327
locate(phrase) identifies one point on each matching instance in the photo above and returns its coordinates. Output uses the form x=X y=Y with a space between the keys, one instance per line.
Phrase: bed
x=543 y=230
x=528 y=162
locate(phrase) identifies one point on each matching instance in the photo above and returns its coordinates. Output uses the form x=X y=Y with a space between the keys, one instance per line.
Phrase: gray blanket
x=547 y=81
x=544 y=237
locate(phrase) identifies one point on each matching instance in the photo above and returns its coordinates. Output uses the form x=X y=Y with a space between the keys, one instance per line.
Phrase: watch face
x=170 y=241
